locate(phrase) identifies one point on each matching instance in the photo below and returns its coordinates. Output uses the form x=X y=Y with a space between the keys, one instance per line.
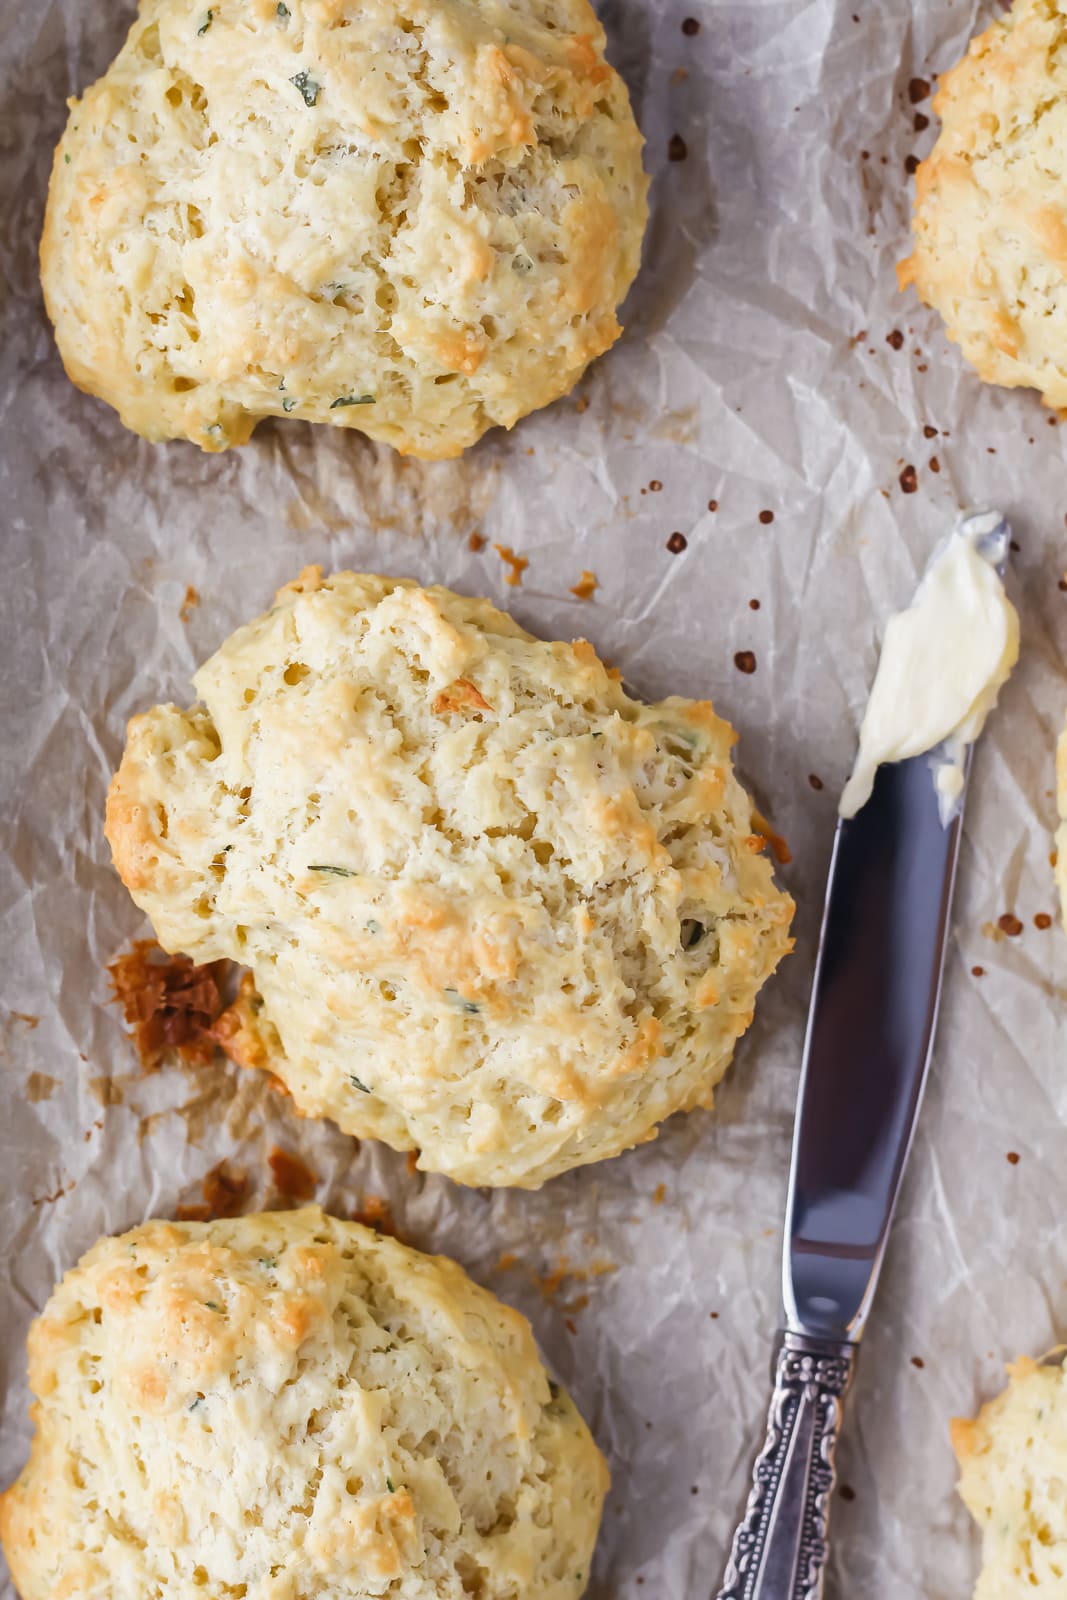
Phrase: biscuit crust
x=412 y=217
x=990 y=219
x=1013 y=1465
x=498 y=911
x=286 y=1407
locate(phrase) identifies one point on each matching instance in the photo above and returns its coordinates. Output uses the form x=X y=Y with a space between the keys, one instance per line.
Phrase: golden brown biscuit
x=498 y=911
x=1013 y=1473
x=990 y=219
x=290 y=1407
x=411 y=217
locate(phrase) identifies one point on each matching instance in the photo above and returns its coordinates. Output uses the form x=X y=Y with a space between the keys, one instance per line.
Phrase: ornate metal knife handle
x=780 y=1548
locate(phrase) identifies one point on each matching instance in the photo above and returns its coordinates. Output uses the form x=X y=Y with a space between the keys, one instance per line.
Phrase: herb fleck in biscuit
x=497 y=911
x=1013 y=1467
x=990 y=219
x=289 y=1407
x=411 y=217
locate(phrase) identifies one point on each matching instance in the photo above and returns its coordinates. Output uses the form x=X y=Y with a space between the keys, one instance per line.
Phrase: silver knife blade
x=867 y=1051
x=866 y=1055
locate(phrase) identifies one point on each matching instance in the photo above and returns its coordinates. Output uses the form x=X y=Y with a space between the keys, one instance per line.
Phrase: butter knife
x=866 y=1053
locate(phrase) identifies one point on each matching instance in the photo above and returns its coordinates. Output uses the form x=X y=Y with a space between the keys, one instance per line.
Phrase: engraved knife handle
x=780 y=1548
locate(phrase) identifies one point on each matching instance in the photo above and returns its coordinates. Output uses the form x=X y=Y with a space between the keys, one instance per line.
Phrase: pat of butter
x=944 y=661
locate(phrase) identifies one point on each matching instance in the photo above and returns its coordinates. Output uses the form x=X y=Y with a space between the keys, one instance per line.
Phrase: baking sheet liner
x=769 y=395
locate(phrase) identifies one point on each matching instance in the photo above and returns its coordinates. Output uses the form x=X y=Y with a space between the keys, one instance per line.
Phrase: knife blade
x=867 y=1049
x=870 y=1030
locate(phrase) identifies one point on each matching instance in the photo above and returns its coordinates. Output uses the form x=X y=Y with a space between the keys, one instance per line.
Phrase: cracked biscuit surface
x=1013 y=1469
x=412 y=217
x=990 y=221
x=291 y=1407
x=497 y=910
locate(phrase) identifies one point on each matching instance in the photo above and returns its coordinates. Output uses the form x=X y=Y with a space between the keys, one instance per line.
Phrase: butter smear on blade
x=944 y=661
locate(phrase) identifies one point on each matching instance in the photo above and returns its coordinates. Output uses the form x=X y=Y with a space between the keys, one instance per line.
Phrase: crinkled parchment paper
x=768 y=367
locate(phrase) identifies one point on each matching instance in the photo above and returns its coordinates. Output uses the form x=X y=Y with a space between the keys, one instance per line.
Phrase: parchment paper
x=757 y=372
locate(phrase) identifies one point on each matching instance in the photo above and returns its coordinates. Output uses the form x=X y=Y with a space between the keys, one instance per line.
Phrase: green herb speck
x=283 y=12
x=309 y=89
x=352 y=400
x=389 y=1485
x=692 y=933
x=372 y=926
x=457 y=999
x=268 y=1262
x=66 y=158
x=197 y=1402
x=289 y=404
x=212 y=1306
x=205 y=25
x=338 y=872
x=358 y=1083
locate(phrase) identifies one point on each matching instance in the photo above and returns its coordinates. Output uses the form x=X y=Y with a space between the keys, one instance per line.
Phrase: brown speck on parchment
x=168 y=1002
x=690 y=26
x=917 y=1361
x=677 y=543
x=766 y=517
x=586 y=587
x=476 y=542
x=918 y=90
x=929 y=432
x=39 y=1086
x=1013 y=1157
x=225 y=1191
x=189 y=604
x=106 y=1091
x=1042 y=920
x=977 y=972
x=745 y=661
x=815 y=781
x=1010 y=925
x=779 y=847
x=909 y=479
x=292 y=1177
x=517 y=565
x=920 y=122
x=895 y=339
x=676 y=148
